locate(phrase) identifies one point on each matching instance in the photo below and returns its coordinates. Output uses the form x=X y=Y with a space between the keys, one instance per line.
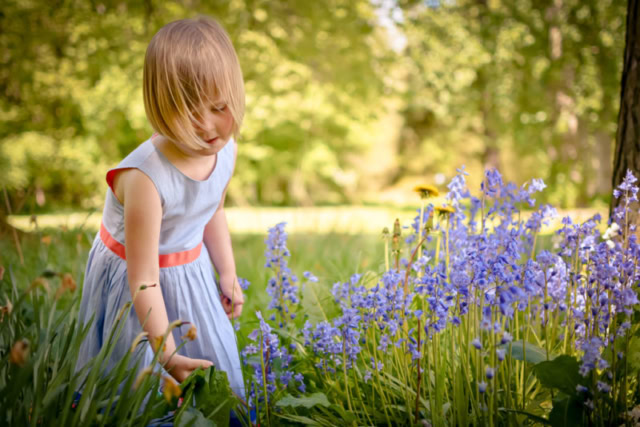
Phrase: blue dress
x=187 y=277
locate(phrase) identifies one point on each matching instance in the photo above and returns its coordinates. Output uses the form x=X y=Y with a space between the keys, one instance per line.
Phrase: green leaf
x=633 y=355
x=299 y=419
x=561 y=373
x=531 y=416
x=529 y=352
x=568 y=411
x=212 y=393
x=194 y=418
x=305 y=401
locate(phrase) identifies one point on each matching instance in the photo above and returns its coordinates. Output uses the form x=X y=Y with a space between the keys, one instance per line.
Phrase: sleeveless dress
x=187 y=277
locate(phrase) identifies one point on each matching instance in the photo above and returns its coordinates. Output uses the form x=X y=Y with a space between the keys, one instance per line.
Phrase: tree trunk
x=627 y=151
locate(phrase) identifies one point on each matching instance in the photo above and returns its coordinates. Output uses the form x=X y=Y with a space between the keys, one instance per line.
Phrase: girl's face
x=214 y=125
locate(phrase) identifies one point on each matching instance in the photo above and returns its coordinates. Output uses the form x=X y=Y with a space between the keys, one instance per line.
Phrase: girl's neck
x=197 y=168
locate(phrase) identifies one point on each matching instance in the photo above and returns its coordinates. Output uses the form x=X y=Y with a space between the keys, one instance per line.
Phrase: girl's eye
x=218 y=108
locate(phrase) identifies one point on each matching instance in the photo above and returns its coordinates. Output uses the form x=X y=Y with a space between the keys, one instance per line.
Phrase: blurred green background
x=348 y=102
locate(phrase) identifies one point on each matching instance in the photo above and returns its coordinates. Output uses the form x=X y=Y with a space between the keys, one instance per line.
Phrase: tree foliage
x=530 y=87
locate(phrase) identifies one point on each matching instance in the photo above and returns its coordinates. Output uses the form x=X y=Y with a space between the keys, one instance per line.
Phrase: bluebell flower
x=603 y=387
x=244 y=283
x=489 y=372
x=476 y=343
x=309 y=276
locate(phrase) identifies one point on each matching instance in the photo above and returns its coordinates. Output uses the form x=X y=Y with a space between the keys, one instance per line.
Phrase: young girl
x=164 y=221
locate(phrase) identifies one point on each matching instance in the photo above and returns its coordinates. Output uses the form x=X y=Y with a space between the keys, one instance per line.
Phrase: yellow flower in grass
x=426 y=191
x=170 y=389
x=191 y=333
x=444 y=210
x=157 y=342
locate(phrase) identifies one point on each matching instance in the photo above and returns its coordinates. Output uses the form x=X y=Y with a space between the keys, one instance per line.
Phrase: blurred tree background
x=346 y=99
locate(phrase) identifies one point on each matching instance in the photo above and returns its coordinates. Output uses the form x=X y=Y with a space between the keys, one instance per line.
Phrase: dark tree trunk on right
x=627 y=151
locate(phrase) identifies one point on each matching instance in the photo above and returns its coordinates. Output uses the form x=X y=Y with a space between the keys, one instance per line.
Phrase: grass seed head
x=68 y=282
x=137 y=340
x=19 y=352
x=39 y=282
x=142 y=375
x=6 y=309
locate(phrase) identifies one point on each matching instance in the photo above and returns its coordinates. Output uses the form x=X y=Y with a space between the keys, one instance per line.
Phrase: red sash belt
x=166 y=260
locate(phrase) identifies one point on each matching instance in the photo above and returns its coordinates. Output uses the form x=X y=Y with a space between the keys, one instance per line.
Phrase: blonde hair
x=190 y=64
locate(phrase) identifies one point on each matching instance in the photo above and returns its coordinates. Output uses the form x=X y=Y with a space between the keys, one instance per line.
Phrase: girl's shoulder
x=144 y=158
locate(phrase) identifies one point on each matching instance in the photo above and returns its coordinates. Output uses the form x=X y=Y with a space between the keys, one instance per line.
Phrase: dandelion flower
x=19 y=352
x=170 y=389
x=426 y=191
x=444 y=209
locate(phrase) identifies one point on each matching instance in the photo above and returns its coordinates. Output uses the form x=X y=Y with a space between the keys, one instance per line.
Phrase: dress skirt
x=190 y=294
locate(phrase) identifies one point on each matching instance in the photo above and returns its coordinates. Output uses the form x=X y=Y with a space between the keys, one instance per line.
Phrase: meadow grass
x=328 y=256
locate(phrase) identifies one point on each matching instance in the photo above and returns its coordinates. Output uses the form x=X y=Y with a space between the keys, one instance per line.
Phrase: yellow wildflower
x=426 y=191
x=157 y=342
x=170 y=389
x=444 y=209
x=19 y=352
x=191 y=333
x=46 y=240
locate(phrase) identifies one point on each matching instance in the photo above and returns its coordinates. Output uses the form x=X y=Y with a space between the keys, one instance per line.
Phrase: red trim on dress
x=165 y=260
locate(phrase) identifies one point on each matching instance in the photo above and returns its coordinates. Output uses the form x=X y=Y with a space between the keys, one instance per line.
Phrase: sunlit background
x=348 y=102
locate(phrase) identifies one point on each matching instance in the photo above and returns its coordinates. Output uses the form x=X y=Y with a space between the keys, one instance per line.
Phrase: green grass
x=331 y=257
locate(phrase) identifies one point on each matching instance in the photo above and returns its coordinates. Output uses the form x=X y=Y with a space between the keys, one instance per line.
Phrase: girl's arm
x=218 y=242
x=142 y=218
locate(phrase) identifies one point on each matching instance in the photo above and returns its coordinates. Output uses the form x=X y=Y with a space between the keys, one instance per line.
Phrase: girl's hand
x=232 y=298
x=180 y=367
